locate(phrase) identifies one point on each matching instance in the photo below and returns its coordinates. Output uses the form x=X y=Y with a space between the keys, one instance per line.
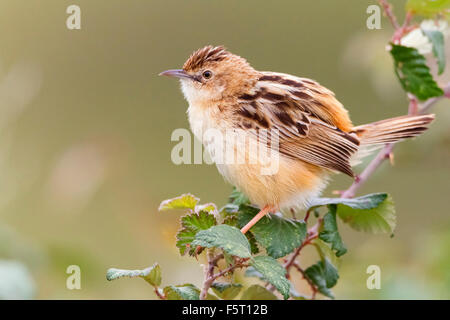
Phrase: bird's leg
x=256 y=218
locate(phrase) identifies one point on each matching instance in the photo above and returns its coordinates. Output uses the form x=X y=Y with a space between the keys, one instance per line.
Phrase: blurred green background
x=85 y=126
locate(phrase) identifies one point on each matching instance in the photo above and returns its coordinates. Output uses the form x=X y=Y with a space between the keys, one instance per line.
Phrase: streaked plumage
x=316 y=136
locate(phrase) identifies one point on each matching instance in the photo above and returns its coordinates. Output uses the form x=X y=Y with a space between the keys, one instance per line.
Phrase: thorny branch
x=387 y=8
x=210 y=276
x=313 y=287
x=313 y=233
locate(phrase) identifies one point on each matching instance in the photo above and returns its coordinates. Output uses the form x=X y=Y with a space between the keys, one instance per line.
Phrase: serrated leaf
x=207 y=207
x=184 y=240
x=257 y=292
x=191 y=224
x=272 y=272
x=324 y=275
x=280 y=236
x=437 y=39
x=238 y=198
x=185 y=201
x=330 y=233
x=428 y=8
x=228 y=238
x=182 y=292
x=152 y=274
x=233 y=221
x=226 y=291
x=198 y=221
x=381 y=219
x=413 y=73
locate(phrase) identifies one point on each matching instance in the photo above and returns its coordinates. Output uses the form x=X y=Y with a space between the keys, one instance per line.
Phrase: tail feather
x=374 y=135
x=393 y=130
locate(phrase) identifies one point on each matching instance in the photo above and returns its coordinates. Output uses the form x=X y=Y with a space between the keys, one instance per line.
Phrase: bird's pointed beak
x=177 y=73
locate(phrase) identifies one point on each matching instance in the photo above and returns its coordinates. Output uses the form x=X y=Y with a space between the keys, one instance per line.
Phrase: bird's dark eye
x=207 y=74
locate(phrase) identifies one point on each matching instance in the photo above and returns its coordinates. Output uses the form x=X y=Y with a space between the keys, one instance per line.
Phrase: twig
x=426 y=106
x=308 y=213
x=368 y=171
x=161 y=296
x=313 y=233
x=210 y=277
x=311 y=284
x=231 y=268
x=387 y=7
x=209 y=271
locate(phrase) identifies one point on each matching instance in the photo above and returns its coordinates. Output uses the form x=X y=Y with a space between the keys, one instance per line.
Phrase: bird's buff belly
x=294 y=184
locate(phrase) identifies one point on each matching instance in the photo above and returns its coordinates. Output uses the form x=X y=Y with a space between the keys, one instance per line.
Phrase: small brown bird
x=315 y=135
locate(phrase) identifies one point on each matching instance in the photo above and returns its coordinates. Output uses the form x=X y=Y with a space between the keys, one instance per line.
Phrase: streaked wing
x=310 y=122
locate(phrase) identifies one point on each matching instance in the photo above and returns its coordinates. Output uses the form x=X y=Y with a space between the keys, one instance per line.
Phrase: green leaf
x=207 y=207
x=324 y=275
x=368 y=201
x=238 y=198
x=437 y=39
x=272 y=272
x=228 y=238
x=373 y=213
x=252 y=272
x=226 y=291
x=152 y=274
x=280 y=236
x=211 y=297
x=233 y=221
x=330 y=232
x=413 y=73
x=182 y=292
x=257 y=292
x=325 y=251
x=229 y=209
x=191 y=224
x=381 y=219
x=185 y=201
x=428 y=8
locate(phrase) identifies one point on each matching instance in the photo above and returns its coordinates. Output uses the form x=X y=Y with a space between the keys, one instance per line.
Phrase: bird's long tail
x=373 y=135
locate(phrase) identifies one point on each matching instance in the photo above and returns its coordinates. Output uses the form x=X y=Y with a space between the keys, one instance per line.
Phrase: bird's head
x=212 y=74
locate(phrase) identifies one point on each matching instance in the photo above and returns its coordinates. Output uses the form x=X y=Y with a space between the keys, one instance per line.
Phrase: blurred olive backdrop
x=85 y=127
